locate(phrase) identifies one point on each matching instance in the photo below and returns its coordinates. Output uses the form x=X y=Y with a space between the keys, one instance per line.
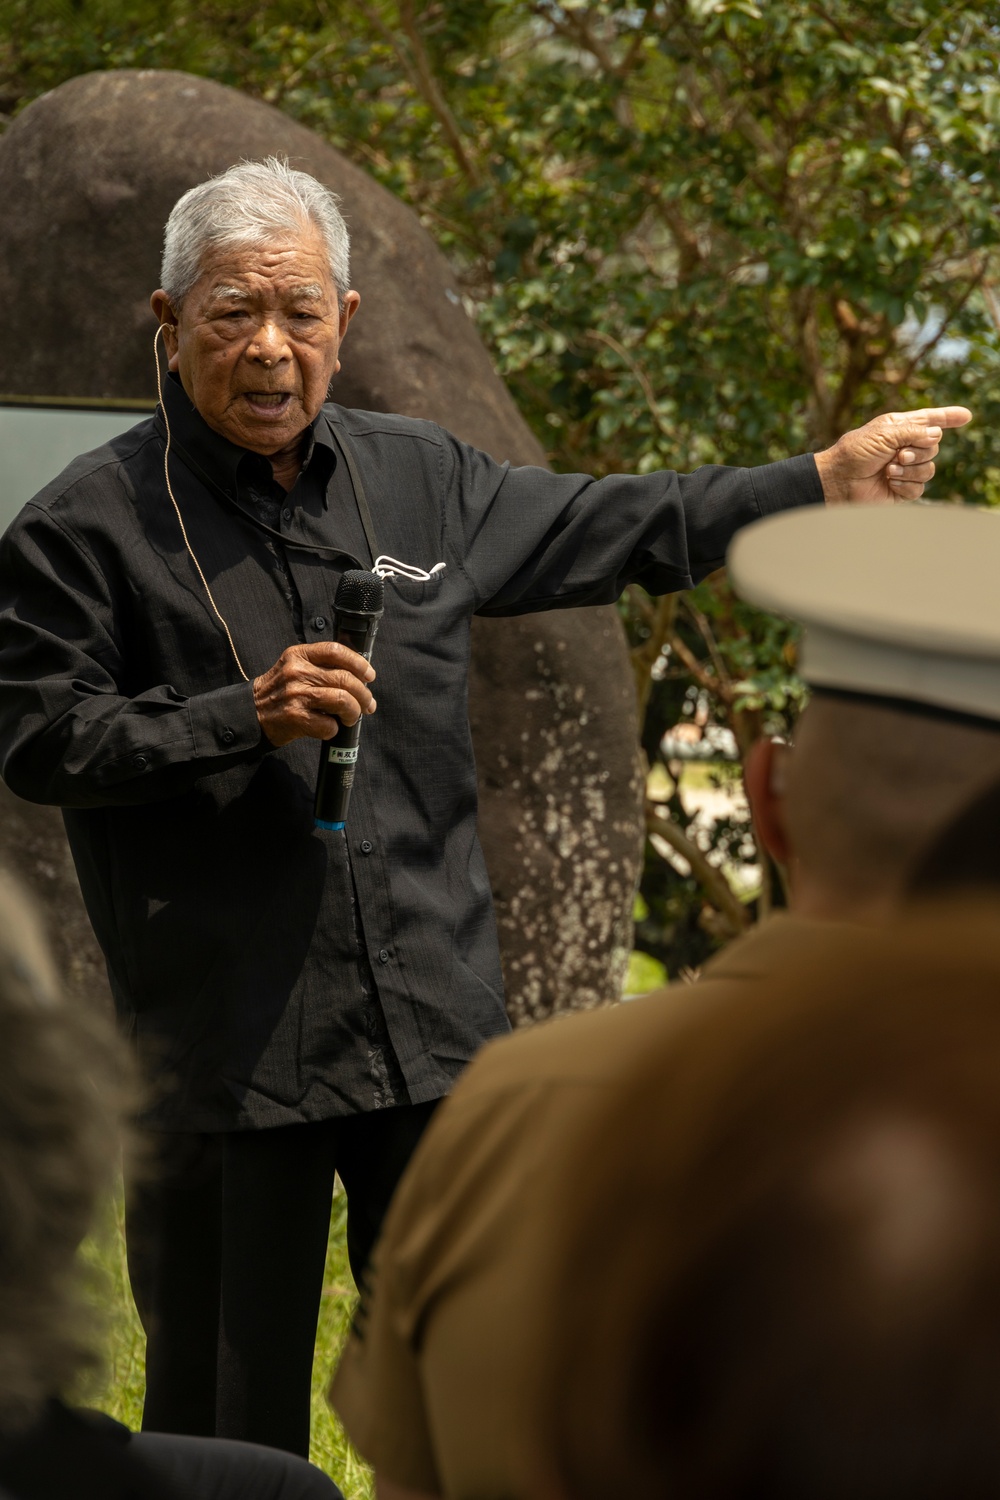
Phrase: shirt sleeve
x=69 y=732
x=530 y=540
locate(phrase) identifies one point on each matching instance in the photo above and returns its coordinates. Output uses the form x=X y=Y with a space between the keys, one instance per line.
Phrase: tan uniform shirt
x=436 y=1392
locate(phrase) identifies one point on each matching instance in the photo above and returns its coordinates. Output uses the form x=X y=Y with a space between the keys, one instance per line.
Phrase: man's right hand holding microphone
x=309 y=688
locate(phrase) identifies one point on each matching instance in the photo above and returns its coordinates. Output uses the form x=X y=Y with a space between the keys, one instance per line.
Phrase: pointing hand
x=891 y=458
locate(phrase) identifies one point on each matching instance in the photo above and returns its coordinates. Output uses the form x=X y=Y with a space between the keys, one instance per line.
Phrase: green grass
x=119 y=1386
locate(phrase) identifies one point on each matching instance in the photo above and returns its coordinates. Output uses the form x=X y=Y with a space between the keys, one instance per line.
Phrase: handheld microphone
x=357 y=609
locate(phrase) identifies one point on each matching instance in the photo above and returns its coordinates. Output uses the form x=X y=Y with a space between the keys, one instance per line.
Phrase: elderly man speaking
x=301 y=997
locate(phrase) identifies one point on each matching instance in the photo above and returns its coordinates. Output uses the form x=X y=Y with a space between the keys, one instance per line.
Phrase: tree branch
x=431 y=91
x=992 y=302
x=704 y=679
x=950 y=315
x=725 y=683
x=297 y=74
x=596 y=336
x=417 y=65
x=811 y=355
x=712 y=881
x=644 y=658
x=862 y=358
x=575 y=26
x=689 y=253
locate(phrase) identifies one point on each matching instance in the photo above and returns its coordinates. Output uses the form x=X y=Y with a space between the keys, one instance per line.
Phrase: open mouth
x=268 y=403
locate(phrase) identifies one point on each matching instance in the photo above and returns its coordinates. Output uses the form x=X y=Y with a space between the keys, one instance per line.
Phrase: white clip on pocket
x=391 y=567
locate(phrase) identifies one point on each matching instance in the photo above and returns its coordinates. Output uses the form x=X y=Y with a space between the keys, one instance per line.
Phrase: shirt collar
x=226 y=463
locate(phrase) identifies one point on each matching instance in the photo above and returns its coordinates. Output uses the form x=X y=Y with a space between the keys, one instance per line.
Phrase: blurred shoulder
x=569 y=1047
x=593 y=1048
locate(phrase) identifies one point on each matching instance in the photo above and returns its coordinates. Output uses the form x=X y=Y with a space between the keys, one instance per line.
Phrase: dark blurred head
x=780 y=1275
x=852 y=809
x=60 y=1088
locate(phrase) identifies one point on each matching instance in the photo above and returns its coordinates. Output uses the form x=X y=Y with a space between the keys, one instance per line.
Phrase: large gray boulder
x=88 y=174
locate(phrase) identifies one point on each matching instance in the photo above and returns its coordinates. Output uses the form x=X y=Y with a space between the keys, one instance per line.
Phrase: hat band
x=834 y=659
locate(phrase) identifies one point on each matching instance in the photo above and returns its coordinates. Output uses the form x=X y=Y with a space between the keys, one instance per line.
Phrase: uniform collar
x=227 y=464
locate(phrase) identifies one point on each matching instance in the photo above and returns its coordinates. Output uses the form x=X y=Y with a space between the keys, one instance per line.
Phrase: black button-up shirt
x=271 y=972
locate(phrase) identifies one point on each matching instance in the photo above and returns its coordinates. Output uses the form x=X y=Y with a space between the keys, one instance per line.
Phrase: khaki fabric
x=436 y=1388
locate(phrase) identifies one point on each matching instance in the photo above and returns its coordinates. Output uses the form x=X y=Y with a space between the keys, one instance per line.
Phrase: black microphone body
x=357 y=610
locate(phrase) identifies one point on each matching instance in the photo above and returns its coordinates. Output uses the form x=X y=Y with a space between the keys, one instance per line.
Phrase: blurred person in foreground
x=63 y=1083
x=779 y=1264
x=902 y=649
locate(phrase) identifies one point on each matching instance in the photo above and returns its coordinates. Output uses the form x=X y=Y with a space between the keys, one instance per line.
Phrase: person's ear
x=348 y=305
x=166 y=317
x=764 y=773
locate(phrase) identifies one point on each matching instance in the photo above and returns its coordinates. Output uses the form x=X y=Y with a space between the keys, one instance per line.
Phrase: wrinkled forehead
x=295 y=263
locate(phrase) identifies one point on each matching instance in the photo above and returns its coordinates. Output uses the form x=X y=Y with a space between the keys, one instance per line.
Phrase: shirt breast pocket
x=424 y=628
x=414 y=591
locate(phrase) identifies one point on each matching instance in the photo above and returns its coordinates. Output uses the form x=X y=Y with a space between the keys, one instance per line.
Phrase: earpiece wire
x=180 y=519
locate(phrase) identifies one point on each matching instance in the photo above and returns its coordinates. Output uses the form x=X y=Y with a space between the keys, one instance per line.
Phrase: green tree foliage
x=691 y=231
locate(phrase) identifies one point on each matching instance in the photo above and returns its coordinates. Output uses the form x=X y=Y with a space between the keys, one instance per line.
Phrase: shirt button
x=140 y=762
x=227 y=736
x=383 y=954
x=286 y=514
x=319 y=623
x=366 y=846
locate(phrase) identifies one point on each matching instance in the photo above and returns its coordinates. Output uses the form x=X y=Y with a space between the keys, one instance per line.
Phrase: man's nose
x=269 y=344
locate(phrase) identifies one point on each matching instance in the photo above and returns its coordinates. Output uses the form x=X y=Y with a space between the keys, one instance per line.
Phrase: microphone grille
x=360 y=593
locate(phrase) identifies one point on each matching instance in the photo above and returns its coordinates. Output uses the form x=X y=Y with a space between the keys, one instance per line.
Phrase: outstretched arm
x=529 y=540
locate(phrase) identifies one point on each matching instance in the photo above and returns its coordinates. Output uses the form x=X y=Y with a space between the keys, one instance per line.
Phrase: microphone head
x=360 y=593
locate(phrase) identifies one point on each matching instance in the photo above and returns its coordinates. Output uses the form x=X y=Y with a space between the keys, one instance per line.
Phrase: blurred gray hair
x=247 y=205
x=63 y=1088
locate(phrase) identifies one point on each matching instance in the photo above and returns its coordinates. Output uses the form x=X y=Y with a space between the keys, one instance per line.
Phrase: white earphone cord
x=180 y=519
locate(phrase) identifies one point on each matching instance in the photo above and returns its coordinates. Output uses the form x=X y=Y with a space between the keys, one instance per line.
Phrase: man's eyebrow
x=311 y=292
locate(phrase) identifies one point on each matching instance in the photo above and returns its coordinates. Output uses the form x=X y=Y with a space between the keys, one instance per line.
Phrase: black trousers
x=226 y=1239
x=207 y=1469
x=82 y=1454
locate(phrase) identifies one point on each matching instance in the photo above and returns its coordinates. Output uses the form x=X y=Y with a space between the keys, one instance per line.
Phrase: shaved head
x=867 y=788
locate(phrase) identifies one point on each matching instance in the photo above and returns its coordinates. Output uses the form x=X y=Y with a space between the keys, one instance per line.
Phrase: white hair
x=247 y=205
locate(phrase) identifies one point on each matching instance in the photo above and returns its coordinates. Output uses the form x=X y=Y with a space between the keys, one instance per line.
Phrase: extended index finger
x=936 y=416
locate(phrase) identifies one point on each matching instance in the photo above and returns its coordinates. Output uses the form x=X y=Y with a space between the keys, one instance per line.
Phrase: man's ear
x=764 y=778
x=347 y=306
x=167 y=319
